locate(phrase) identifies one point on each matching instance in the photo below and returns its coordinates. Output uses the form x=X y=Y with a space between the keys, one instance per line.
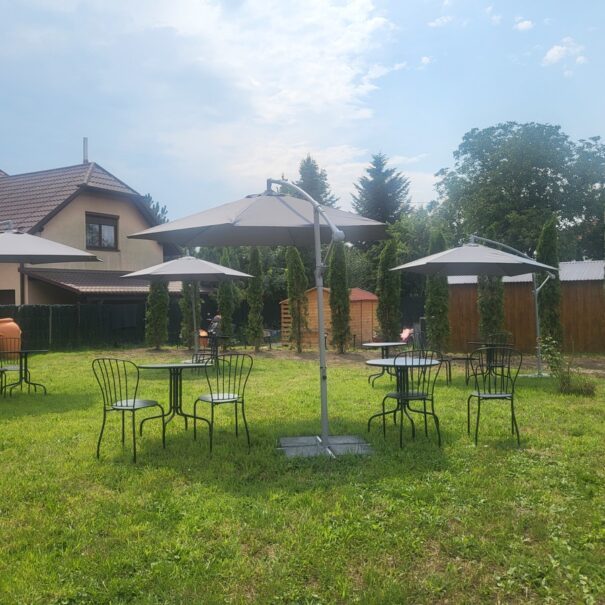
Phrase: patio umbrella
x=17 y=247
x=189 y=268
x=475 y=259
x=269 y=219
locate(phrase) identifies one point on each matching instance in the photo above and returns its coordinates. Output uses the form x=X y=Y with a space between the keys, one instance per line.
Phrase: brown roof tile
x=27 y=199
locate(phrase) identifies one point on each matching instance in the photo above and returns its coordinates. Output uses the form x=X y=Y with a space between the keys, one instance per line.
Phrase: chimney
x=85 y=150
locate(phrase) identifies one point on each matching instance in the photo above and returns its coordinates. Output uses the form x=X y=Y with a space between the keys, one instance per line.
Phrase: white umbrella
x=270 y=219
x=189 y=268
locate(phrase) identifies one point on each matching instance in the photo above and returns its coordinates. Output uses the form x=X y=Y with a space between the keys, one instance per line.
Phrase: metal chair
x=9 y=359
x=495 y=371
x=416 y=378
x=118 y=380
x=500 y=339
x=227 y=379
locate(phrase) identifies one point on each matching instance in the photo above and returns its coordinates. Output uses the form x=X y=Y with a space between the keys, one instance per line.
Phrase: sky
x=198 y=102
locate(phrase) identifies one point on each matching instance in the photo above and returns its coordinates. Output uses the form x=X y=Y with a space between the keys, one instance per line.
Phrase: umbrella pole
x=323 y=370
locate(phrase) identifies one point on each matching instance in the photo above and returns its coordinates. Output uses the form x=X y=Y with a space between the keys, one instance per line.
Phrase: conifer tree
x=186 y=308
x=339 y=298
x=490 y=300
x=255 y=299
x=297 y=297
x=549 y=297
x=314 y=181
x=388 y=292
x=156 y=315
x=226 y=300
x=437 y=300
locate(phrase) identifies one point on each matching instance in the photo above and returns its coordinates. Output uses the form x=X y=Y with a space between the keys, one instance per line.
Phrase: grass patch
x=422 y=524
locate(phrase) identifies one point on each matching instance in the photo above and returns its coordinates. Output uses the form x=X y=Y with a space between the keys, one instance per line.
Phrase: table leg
x=24 y=377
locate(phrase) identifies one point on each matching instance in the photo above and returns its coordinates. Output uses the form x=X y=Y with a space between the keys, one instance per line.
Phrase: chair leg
x=384 y=421
x=245 y=424
x=436 y=419
x=211 y=427
x=468 y=415
x=514 y=421
x=236 y=427
x=134 y=439
x=477 y=425
x=426 y=430
x=401 y=425
x=123 y=431
x=101 y=434
x=404 y=404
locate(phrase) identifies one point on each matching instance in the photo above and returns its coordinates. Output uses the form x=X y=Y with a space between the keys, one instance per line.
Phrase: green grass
x=460 y=524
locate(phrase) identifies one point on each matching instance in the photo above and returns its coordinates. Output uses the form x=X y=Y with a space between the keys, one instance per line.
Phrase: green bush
x=569 y=378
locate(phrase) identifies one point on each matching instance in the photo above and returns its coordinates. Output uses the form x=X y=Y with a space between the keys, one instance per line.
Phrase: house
x=363 y=322
x=86 y=207
x=582 y=308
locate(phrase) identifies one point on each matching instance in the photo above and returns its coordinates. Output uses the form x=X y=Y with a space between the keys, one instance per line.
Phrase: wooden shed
x=582 y=309
x=363 y=316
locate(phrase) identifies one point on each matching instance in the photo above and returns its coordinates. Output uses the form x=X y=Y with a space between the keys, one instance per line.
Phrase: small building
x=363 y=321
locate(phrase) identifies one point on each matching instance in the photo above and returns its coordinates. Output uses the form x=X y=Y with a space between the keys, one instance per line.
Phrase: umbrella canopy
x=18 y=247
x=474 y=259
x=189 y=268
x=266 y=219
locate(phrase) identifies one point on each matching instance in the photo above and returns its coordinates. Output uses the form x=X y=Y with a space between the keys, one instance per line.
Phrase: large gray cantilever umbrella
x=189 y=268
x=475 y=259
x=17 y=247
x=270 y=219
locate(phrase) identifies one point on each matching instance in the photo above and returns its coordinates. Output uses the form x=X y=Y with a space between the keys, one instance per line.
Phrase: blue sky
x=198 y=102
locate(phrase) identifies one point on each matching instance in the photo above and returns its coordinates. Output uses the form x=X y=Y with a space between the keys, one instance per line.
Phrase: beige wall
x=9 y=279
x=69 y=227
x=41 y=293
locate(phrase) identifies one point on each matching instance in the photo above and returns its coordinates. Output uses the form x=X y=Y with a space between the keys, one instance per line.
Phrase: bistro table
x=402 y=365
x=175 y=386
x=385 y=348
x=24 y=375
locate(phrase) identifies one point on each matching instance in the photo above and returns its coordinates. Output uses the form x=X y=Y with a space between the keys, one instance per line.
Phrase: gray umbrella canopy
x=189 y=268
x=18 y=247
x=474 y=259
x=265 y=219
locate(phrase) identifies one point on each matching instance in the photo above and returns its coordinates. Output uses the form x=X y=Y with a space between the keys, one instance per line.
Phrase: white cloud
x=568 y=48
x=425 y=60
x=523 y=25
x=580 y=60
x=494 y=19
x=441 y=21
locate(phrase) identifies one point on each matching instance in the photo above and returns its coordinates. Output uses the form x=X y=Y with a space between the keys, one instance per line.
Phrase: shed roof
x=584 y=270
x=356 y=295
x=30 y=199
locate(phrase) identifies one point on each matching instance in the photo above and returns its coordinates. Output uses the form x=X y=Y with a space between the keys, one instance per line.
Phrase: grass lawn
x=422 y=524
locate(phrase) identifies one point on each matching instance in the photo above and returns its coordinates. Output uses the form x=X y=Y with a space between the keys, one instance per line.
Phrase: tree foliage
x=156 y=315
x=254 y=295
x=314 y=180
x=297 y=298
x=157 y=210
x=490 y=301
x=382 y=195
x=188 y=295
x=549 y=297
x=388 y=292
x=437 y=300
x=227 y=299
x=340 y=305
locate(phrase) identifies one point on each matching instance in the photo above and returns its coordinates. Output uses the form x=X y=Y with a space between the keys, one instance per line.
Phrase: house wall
x=69 y=227
x=41 y=293
x=9 y=279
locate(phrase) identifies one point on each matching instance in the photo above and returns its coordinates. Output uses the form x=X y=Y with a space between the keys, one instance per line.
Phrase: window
x=101 y=232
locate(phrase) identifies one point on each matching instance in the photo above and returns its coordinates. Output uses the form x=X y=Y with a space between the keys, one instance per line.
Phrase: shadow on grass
x=37 y=404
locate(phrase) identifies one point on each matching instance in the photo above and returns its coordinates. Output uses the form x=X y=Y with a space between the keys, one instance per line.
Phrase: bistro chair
x=416 y=379
x=495 y=371
x=500 y=339
x=226 y=379
x=9 y=359
x=420 y=341
x=118 y=380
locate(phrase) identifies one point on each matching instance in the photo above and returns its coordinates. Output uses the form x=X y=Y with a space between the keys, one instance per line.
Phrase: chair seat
x=219 y=398
x=492 y=395
x=137 y=404
x=409 y=396
x=9 y=369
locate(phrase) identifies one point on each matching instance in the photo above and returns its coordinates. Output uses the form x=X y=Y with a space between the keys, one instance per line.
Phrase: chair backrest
x=422 y=368
x=495 y=369
x=419 y=340
x=500 y=338
x=118 y=380
x=229 y=374
x=9 y=350
x=203 y=356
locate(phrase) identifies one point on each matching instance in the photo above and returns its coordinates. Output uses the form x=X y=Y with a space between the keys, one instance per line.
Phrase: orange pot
x=10 y=335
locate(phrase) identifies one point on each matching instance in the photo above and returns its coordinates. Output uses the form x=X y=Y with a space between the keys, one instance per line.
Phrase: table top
x=403 y=362
x=380 y=345
x=170 y=365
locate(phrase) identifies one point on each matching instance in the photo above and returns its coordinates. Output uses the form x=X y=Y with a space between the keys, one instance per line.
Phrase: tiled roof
x=95 y=282
x=581 y=270
x=27 y=199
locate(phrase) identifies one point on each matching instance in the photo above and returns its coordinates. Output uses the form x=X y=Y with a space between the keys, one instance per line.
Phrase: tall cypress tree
x=297 y=298
x=156 y=315
x=490 y=300
x=226 y=299
x=255 y=299
x=549 y=297
x=437 y=300
x=339 y=298
x=388 y=292
x=186 y=307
